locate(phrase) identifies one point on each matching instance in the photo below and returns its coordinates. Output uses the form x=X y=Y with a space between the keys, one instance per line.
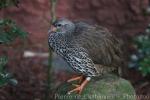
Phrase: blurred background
x=28 y=58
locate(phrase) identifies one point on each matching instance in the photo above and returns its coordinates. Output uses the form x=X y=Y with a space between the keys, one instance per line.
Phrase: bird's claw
x=76 y=85
x=76 y=78
x=78 y=89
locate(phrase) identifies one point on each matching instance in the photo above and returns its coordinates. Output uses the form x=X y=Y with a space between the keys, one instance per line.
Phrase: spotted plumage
x=76 y=56
x=90 y=50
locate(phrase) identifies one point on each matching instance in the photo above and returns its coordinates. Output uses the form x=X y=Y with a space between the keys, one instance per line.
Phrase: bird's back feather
x=103 y=47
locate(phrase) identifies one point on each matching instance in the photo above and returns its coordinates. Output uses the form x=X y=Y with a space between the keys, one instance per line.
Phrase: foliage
x=141 y=59
x=5 y=77
x=146 y=12
x=7 y=3
x=9 y=31
x=145 y=66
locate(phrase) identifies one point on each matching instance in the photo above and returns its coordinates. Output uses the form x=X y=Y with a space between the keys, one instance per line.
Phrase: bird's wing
x=101 y=45
x=80 y=61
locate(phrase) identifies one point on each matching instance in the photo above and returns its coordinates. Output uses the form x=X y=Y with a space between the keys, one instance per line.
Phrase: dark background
x=125 y=18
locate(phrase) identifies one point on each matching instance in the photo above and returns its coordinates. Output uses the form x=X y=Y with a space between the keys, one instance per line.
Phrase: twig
x=53 y=10
x=53 y=18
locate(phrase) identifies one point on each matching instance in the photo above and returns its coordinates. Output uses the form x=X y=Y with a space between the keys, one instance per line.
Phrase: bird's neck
x=59 y=40
x=64 y=38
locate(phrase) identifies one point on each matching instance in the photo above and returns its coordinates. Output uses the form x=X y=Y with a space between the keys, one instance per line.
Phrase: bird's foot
x=79 y=88
x=80 y=78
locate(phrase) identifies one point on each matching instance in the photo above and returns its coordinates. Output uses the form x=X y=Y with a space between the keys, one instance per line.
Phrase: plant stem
x=53 y=18
x=53 y=10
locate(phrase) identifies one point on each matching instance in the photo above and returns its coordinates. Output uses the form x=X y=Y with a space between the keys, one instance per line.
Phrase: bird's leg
x=79 y=88
x=80 y=78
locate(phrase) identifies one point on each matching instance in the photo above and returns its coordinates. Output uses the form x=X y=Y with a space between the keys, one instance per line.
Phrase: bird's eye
x=59 y=25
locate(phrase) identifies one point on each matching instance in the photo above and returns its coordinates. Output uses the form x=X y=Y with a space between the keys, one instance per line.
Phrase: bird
x=90 y=50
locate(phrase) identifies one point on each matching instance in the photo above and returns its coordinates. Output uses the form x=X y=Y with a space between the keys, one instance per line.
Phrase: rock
x=108 y=87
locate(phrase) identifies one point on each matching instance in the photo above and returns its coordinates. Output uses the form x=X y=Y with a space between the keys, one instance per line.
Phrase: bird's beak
x=53 y=28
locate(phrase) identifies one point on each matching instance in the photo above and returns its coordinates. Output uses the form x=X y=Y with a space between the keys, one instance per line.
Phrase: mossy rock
x=108 y=87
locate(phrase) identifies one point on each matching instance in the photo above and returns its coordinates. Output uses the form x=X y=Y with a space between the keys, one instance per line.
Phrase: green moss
x=109 y=87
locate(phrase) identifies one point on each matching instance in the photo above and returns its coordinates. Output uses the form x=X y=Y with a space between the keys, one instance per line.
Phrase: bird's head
x=63 y=26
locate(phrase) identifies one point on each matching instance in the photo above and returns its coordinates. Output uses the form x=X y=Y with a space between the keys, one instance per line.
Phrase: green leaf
x=9 y=31
x=13 y=81
x=143 y=44
x=5 y=77
x=7 y=3
x=3 y=61
x=145 y=66
x=2 y=82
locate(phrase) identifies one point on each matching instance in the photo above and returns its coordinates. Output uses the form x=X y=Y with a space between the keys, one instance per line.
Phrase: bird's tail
x=102 y=69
